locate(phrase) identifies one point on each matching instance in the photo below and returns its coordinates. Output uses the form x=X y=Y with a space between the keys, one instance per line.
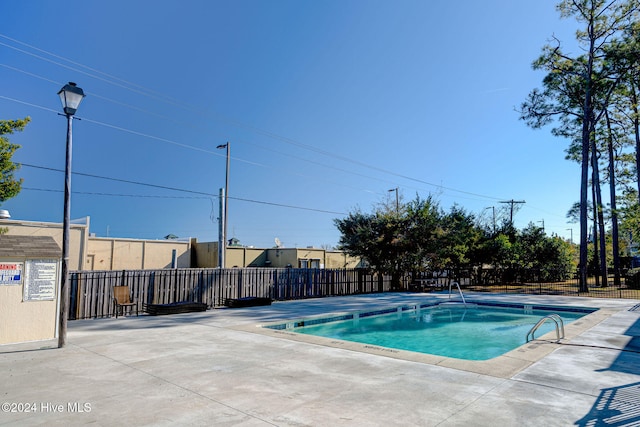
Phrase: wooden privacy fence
x=91 y=292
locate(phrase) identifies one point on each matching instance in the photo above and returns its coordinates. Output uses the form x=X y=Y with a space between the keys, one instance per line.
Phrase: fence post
x=151 y=288
x=274 y=285
x=175 y=286
x=240 y=284
x=73 y=296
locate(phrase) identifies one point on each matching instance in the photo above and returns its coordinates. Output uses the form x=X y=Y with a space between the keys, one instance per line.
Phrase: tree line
x=420 y=236
x=592 y=100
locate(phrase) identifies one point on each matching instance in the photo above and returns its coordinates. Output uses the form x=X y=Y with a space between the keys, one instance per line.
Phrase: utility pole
x=221 y=237
x=225 y=216
x=512 y=203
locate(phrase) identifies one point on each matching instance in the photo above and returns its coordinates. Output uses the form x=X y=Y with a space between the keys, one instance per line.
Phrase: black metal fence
x=549 y=282
x=564 y=287
x=536 y=282
x=91 y=292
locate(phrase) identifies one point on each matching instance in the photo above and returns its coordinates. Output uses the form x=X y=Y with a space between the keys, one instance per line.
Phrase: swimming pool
x=472 y=332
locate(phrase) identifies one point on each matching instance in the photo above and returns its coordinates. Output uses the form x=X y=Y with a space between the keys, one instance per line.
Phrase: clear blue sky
x=327 y=105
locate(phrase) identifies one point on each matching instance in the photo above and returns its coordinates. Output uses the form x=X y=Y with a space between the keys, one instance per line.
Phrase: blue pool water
x=475 y=332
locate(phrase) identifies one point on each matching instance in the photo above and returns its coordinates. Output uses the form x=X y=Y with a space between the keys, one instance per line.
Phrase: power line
x=262 y=202
x=149 y=93
x=145 y=135
x=237 y=159
x=143 y=92
x=191 y=147
x=29 y=104
x=183 y=124
x=90 y=193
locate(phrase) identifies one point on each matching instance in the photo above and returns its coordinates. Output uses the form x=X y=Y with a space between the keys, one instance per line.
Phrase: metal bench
x=174 y=308
x=246 y=302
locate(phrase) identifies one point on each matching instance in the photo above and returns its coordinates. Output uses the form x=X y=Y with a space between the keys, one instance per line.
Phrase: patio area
x=217 y=368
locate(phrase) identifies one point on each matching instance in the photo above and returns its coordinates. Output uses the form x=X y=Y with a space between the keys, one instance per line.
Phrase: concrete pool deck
x=215 y=368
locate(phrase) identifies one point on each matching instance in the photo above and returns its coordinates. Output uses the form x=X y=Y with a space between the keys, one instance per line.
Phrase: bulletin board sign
x=11 y=273
x=41 y=278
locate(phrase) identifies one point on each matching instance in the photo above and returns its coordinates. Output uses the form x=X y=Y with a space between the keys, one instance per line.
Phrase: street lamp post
x=493 y=209
x=397 y=200
x=71 y=96
x=225 y=217
x=571 y=230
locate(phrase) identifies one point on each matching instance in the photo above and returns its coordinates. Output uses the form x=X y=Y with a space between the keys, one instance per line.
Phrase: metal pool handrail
x=459 y=290
x=559 y=326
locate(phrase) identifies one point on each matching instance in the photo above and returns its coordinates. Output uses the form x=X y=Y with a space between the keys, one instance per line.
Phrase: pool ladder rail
x=459 y=291
x=559 y=327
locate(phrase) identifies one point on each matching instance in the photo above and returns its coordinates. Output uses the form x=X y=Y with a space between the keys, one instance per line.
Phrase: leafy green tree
x=425 y=232
x=9 y=185
x=500 y=252
x=420 y=237
x=394 y=241
x=370 y=237
x=629 y=221
x=460 y=239
x=626 y=110
x=550 y=257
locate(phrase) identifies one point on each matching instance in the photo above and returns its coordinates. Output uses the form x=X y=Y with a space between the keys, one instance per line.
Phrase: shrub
x=633 y=278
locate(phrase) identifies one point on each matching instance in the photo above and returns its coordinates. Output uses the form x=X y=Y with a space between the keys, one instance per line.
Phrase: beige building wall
x=100 y=253
x=106 y=253
x=78 y=236
x=100 y=257
x=29 y=317
x=206 y=254
x=337 y=259
x=24 y=321
x=282 y=257
x=310 y=258
x=159 y=254
x=245 y=257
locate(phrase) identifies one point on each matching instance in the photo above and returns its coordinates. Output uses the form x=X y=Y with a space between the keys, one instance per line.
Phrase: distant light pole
x=493 y=208
x=226 y=201
x=542 y=225
x=397 y=200
x=71 y=96
x=571 y=230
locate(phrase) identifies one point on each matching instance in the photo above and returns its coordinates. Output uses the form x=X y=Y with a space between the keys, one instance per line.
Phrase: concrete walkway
x=210 y=369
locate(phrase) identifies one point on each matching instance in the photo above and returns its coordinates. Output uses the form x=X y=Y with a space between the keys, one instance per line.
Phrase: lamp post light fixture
x=493 y=209
x=397 y=200
x=70 y=96
x=223 y=249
